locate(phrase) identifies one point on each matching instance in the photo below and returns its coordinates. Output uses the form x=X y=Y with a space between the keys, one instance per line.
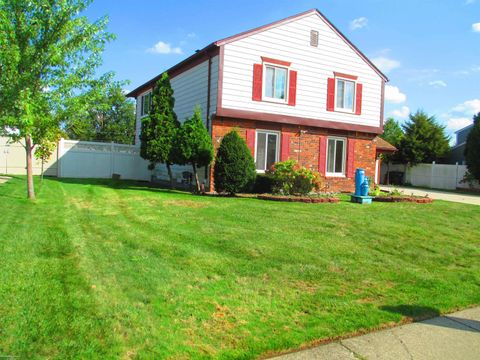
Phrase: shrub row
x=235 y=172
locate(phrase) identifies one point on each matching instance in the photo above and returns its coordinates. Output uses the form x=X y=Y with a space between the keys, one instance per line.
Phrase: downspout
x=207 y=168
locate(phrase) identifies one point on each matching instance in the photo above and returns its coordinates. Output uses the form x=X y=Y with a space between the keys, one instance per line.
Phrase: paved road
x=437 y=194
x=455 y=336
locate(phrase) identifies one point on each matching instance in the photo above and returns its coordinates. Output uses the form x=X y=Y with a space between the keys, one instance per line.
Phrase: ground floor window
x=336 y=156
x=266 y=149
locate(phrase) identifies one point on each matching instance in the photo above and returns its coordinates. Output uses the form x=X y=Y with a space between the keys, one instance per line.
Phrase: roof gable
x=289 y=19
x=213 y=47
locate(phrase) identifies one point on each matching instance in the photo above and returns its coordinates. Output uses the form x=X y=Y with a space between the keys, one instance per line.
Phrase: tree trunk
x=170 y=175
x=29 y=151
x=197 y=183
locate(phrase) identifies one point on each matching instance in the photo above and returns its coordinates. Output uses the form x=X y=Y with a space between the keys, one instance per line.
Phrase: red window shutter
x=257 y=82
x=285 y=147
x=251 y=140
x=292 y=88
x=350 y=158
x=322 y=155
x=358 y=100
x=331 y=94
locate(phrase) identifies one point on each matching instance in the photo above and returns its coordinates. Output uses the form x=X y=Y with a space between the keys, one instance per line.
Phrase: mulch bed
x=418 y=200
x=303 y=199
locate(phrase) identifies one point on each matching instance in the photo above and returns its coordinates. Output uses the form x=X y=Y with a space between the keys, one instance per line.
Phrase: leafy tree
x=48 y=53
x=472 y=148
x=45 y=149
x=159 y=128
x=393 y=133
x=194 y=144
x=234 y=169
x=102 y=114
x=424 y=139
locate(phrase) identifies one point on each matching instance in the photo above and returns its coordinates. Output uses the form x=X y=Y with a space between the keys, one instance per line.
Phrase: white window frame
x=346 y=110
x=141 y=103
x=264 y=83
x=344 y=155
x=277 y=145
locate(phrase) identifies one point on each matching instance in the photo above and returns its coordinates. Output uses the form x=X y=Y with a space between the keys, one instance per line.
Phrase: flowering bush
x=291 y=178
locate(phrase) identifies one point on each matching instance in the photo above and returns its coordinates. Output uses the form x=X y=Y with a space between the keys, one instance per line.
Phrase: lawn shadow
x=413 y=312
x=123 y=185
x=431 y=316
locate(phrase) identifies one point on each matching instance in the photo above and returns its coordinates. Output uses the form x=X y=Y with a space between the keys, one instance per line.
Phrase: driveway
x=437 y=194
x=454 y=336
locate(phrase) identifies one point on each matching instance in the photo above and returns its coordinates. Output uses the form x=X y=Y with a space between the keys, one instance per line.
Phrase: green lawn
x=95 y=269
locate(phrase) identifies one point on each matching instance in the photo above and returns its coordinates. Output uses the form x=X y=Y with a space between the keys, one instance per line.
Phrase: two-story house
x=457 y=153
x=296 y=88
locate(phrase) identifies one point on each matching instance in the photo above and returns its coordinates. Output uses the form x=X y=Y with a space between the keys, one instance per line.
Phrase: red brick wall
x=304 y=146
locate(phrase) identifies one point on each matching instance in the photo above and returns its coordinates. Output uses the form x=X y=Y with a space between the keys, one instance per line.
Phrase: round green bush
x=289 y=178
x=234 y=169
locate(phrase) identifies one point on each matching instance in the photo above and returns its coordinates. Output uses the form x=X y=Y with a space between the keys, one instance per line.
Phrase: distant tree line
x=422 y=140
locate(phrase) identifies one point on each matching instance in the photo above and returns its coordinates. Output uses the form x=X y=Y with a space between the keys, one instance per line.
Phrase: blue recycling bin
x=359 y=179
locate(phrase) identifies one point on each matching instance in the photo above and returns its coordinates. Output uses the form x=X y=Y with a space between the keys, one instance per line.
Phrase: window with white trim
x=345 y=95
x=336 y=156
x=145 y=104
x=266 y=149
x=275 y=84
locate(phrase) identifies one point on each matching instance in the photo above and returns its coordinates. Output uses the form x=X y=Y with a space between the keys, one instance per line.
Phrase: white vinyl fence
x=13 y=160
x=435 y=176
x=85 y=159
x=78 y=159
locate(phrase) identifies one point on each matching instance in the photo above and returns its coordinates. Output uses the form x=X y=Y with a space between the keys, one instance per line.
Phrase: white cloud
x=438 y=83
x=394 y=95
x=191 y=35
x=359 y=23
x=164 y=48
x=468 y=107
x=472 y=69
x=476 y=27
x=386 y=64
x=401 y=113
x=457 y=123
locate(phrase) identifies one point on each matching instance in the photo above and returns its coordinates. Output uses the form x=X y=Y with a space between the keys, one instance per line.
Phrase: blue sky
x=430 y=50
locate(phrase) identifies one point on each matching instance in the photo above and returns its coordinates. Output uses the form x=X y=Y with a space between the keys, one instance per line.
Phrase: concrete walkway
x=436 y=194
x=4 y=179
x=455 y=336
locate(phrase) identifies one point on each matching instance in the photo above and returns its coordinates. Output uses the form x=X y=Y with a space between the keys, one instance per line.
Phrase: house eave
x=176 y=69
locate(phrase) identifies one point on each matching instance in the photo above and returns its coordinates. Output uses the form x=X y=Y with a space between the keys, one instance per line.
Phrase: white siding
x=291 y=42
x=213 y=85
x=190 y=89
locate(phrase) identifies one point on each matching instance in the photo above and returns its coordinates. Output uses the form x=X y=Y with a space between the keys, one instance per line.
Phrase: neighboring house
x=296 y=88
x=457 y=152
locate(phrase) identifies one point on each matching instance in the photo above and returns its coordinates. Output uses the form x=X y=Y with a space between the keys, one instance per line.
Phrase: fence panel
x=13 y=160
x=435 y=176
x=86 y=159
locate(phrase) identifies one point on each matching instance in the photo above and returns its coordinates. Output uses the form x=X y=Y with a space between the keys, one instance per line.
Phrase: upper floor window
x=146 y=103
x=266 y=150
x=345 y=95
x=336 y=156
x=275 y=83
